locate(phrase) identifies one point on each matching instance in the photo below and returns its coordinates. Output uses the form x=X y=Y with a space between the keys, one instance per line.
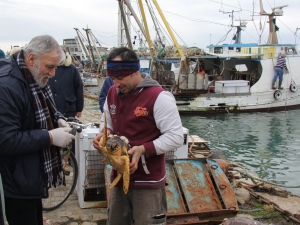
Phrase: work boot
x=279 y=85
x=273 y=85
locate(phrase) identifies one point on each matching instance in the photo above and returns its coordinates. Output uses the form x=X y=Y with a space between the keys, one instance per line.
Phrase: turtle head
x=114 y=145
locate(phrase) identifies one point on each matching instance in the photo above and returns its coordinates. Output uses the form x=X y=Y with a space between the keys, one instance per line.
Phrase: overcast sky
x=194 y=22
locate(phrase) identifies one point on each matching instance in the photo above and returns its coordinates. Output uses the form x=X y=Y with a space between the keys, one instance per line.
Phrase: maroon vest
x=132 y=117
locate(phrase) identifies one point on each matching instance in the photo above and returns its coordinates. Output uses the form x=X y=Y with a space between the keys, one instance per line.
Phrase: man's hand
x=78 y=114
x=96 y=142
x=61 y=137
x=62 y=123
x=97 y=139
x=136 y=153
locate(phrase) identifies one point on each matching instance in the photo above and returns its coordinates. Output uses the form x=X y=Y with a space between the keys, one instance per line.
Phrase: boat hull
x=271 y=100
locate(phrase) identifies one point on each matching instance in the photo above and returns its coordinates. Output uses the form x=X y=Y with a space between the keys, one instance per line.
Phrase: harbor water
x=267 y=144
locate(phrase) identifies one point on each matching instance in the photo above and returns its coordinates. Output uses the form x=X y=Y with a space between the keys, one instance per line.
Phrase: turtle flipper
x=103 y=140
x=116 y=180
x=126 y=174
x=105 y=160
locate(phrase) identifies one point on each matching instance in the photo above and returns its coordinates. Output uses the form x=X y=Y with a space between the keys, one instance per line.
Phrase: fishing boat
x=229 y=77
x=238 y=77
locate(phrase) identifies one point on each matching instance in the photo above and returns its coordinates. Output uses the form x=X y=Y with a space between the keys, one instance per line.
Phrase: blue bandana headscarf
x=122 y=68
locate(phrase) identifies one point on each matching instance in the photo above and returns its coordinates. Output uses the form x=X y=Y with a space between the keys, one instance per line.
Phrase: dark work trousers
x=24 y=211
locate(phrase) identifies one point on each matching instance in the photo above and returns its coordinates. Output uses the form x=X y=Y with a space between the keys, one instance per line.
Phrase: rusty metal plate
x=196 y=185
x=174 y=199
x=223 y=185
x=192 y=194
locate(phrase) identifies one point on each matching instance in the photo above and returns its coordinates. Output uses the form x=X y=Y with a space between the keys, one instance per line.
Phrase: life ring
x=277 y=94
x=293 y=87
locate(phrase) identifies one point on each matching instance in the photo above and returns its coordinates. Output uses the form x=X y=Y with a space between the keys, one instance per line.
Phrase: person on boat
x=201 y=67
x=147 y=115
x=278 y=71
x=31 y=130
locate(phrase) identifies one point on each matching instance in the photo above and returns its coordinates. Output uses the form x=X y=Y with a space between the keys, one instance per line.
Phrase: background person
x=152 y=133
x=67 y=89
x=14 y=50
x=278 y=70
x=108 y=82
x=29 y=157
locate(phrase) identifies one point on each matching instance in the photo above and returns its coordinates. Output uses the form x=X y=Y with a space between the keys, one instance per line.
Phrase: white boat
x=237 y=77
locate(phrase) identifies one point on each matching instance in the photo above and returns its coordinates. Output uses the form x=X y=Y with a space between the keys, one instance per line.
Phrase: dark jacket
x=108 y=82
x=21 y=166
x=67 y=90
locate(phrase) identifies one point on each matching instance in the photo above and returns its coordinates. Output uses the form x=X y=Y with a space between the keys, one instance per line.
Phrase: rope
x=190 y=148
x=245 y=174
x=193 y=155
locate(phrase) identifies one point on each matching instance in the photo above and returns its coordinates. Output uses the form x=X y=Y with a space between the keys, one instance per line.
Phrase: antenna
x=296 y=33
x=280 y=7
x=262 y=11
x=276 y=11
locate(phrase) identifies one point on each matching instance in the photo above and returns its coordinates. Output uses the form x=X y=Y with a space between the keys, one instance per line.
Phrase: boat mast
x=127 y=2
x=242 y=23
x=183 y=64
x=277 y=11
x=150 y=44
x=160 y=39
x=82 y=44
x=93 y=38
x=90 y=46
x=125 y=24
x=79 y=46
x=122 y=22
x=169 y=30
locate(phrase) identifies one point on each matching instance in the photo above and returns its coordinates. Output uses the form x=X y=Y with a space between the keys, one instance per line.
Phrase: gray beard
x=35 y=73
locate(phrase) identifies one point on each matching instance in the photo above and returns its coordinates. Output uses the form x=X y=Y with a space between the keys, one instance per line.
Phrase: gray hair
x=40 y=45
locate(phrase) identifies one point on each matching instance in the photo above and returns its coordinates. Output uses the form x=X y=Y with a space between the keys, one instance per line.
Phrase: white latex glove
x=62 y=123
x=61 y=136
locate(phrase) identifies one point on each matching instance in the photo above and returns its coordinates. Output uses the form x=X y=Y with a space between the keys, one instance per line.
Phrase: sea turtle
x=115 y=149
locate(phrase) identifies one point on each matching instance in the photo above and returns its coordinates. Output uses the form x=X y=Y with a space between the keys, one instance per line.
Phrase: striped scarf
x=45 y=109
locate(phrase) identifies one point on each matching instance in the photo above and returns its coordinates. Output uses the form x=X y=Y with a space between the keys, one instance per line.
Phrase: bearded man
x=31 y=130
